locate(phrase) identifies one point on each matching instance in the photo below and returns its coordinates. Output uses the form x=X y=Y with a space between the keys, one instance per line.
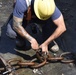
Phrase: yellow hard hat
x=44 y=8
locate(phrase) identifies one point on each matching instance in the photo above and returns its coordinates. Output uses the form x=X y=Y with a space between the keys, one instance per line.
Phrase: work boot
x=20 y=45
x=55 y=48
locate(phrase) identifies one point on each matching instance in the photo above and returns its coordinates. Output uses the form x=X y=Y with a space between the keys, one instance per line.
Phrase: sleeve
x=19 y=9
x=56 y=14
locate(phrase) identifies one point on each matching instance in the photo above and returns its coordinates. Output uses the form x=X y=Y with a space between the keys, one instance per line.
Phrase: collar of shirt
x=28 y=2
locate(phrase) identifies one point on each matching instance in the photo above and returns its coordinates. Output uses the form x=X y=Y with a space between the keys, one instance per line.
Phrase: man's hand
x=34 y=44
x=44 y=47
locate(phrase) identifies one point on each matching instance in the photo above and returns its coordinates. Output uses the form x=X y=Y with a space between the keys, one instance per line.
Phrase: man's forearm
x=55 y=35
x=17 y=25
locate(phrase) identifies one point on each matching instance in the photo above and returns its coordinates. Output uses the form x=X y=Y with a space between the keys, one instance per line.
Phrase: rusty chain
x=62 y=58
x=6 y=67
x=13 y=64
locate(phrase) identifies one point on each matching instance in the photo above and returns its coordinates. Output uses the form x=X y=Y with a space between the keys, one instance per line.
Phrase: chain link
x=44 y=58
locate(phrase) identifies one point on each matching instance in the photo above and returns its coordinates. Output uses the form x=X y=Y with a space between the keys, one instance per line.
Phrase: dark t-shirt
x=21 y=7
